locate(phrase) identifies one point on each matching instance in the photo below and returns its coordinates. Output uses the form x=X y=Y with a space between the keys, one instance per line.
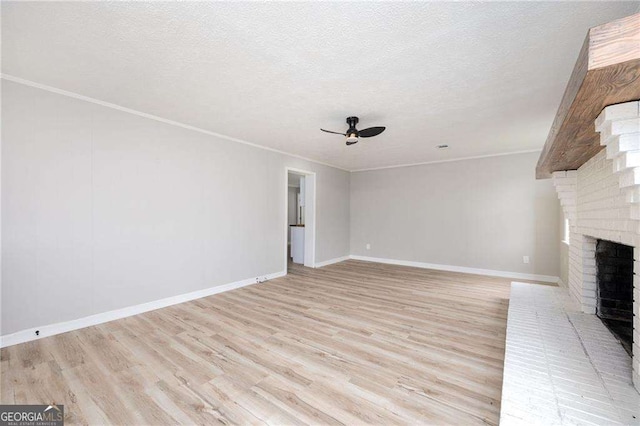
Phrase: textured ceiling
x=485 y=78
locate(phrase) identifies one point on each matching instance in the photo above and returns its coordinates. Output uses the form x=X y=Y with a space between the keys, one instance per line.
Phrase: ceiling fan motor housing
x=352 y=121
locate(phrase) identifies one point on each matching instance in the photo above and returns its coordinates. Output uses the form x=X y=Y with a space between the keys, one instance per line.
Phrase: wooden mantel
x=607 y=72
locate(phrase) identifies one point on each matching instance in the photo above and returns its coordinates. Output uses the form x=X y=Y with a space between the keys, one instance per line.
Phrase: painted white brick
x=563 y=367
x=610 y=129
x=622 y=143
x=630 y=159
x=602 y=201
x=618 y=112
x=566 y=187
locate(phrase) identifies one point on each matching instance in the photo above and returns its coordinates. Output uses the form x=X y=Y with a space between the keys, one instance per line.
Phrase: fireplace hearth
x=614 y=280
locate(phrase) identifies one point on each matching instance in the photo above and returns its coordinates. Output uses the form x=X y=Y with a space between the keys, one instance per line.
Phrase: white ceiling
x=485 y=78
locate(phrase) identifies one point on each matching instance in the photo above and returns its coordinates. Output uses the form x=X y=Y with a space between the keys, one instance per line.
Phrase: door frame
x=309 y=214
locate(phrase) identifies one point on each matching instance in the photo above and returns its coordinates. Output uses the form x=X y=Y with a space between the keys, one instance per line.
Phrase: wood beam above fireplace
x=607 y=72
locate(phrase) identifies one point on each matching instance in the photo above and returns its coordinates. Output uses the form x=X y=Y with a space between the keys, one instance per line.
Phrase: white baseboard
x=332 y=261
x=463 y=269
x=63 y=327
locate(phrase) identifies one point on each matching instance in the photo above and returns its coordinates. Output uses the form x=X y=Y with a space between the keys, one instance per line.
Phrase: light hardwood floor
x=351 y=343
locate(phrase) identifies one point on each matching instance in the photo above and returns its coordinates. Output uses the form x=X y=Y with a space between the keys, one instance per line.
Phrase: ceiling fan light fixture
x=352 y=138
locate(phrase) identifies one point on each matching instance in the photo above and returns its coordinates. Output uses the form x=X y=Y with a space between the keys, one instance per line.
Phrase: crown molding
x=78 y=96
x=450 y=160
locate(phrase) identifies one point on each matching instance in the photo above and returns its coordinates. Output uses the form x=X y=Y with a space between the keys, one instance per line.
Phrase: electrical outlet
x=525 y=259
x=368 y=246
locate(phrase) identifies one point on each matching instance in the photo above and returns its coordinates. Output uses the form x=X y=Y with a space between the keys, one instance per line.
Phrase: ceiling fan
x=353 y=134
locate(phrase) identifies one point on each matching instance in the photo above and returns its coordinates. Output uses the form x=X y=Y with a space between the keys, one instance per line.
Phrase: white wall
x=483 y=213
x=102 y=209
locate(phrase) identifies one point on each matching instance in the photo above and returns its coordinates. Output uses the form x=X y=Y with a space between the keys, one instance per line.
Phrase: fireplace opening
x=614 y=277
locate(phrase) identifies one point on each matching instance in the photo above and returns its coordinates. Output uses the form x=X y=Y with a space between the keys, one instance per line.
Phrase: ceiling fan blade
x=371 y=131
x=335 y=133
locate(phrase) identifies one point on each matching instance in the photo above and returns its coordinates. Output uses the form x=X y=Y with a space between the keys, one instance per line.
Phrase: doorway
x=300 y=217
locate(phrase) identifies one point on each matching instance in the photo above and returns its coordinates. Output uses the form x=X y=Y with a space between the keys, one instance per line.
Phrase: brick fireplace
x=601 y=201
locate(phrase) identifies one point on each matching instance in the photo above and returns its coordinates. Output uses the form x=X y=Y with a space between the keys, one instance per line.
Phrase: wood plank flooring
x=351 y=343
